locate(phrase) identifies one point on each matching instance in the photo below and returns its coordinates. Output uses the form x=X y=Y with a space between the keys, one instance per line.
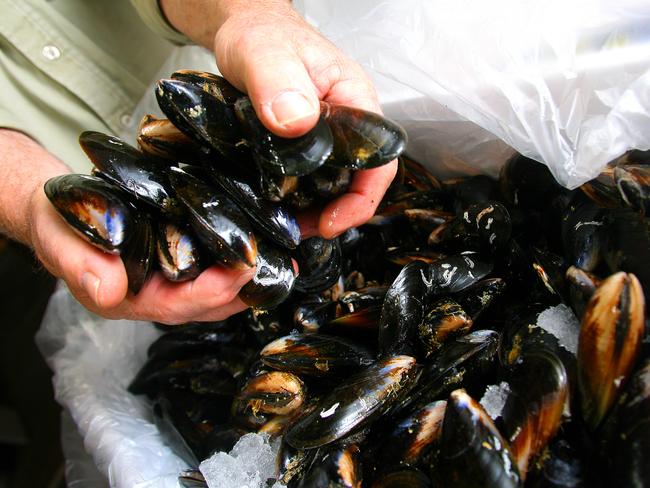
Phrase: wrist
x=200 y=20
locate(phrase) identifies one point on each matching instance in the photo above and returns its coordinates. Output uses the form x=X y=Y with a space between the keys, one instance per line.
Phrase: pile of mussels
x=371 y=373
x=371 y=364
x=211 y=185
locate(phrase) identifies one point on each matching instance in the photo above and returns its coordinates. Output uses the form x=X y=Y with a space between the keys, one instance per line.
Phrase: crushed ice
x=563 y=324
x=250 y=464
x=494 y=399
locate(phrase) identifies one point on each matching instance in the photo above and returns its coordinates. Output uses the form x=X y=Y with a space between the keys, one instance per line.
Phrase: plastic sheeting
x=566 y=82
x=93 y=360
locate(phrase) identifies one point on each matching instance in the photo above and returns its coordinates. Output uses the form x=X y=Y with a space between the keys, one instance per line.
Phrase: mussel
x=92 y=208
x=610 y=339
x=356 y=401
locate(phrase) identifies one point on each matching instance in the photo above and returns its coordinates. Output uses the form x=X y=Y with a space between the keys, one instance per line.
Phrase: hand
x=98 y=280
x=267 y=50
x=286 y=67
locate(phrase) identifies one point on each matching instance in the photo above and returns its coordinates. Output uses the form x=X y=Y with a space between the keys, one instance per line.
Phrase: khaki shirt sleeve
x=153 y=16
x=9 y=121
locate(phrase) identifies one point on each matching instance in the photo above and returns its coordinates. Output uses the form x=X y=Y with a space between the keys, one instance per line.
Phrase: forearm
x=24 y=168
x=201 y=19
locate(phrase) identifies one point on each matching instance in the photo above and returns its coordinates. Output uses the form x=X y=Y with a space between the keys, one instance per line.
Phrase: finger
x=168 y=302
x=308 y=222
x=96 y=278
x=277 y=82
x=359 y=204
x=225 y=311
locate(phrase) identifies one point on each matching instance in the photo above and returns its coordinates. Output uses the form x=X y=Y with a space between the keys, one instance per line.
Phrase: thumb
x=277 y=82
x=97 y=279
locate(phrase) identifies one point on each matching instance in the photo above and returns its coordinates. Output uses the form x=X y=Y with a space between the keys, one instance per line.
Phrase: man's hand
x=98 y=280
x=266 y=49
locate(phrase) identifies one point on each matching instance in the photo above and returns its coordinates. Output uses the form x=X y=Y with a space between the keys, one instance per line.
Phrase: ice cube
x=494 y=399
x=561 y=322
x=248 y=465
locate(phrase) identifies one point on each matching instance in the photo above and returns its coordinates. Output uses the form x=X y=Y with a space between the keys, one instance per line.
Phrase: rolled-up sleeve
x=153 y=16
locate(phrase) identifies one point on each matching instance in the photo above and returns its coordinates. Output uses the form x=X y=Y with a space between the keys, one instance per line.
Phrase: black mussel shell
x=213 y=374
x=272 y=219
x=472 y=190
x=402 y=310
x=477 y=298
x=603 y=190
x=215 y=85
x=417 y=177
x=462 y=363
x=403 y=478
x=583 y=233
x=217 y=221
x=581 y=285
x=403 y=256
x=362 y=324
x=362 y=139
x=527 y=183
x=139 y=253
x=292 y=463
x=327 y=182
x=629 y=441
x=340 y=467
x=633 y=182
x=455 y=273
x=473 y=451
x=627 y=245
x=480 y=226
x=315 y=355
x=445 y=319
x=297 y=156
x=126 y=167
x=275 y=392
x=408 y=441
x=192 y=478
x=159 y=138
x=199 y=339
x=610 y=339
x=319 y=264
x=200 y=115
x=276 y=187
x=178 y=431
x=563 y=466
x=93 y=208
x=549 y=271
x=179 y=255
x=273 y=281
x=429 y=199
x=427 y=219
x=533 y=409
x=357 y=401
x=311 y=316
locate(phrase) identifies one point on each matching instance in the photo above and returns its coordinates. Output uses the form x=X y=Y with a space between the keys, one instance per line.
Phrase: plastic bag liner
x=566 y=82
x=93 y=360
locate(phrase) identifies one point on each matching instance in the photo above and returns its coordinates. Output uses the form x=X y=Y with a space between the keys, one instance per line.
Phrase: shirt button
x=126 y=120
x=51 y=52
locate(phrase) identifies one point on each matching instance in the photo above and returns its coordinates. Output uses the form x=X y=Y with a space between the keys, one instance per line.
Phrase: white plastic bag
x=93 y=360
x=566 y=82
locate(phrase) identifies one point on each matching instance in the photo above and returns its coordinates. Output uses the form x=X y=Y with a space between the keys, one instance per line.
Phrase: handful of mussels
x=211 y=184
x=380 y=367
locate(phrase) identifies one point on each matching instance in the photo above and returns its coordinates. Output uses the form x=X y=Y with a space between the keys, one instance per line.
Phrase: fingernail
x=90 y=283
x=291 y=106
